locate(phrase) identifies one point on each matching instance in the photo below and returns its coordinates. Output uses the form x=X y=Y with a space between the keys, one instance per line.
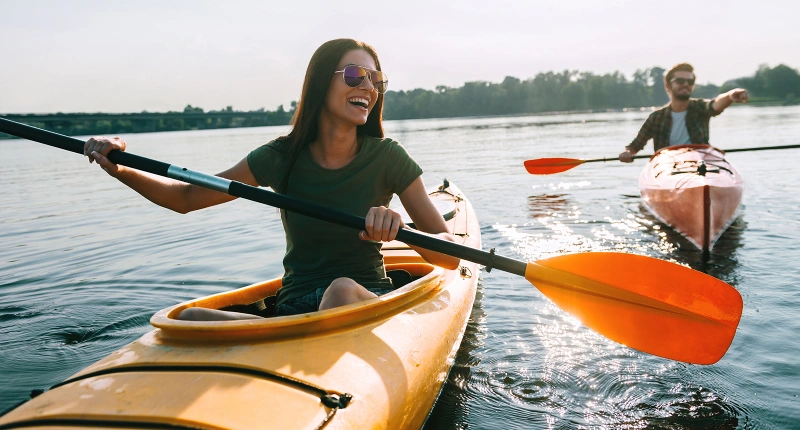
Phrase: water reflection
x=563 y=223
x=721 y=262
x=451 y=410
x=545 y=205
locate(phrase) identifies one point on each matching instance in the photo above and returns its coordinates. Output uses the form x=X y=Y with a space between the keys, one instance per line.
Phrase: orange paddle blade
x=648 y=304
x=548 y=166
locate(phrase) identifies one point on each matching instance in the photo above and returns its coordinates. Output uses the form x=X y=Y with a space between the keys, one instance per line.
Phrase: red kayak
x=694 y=190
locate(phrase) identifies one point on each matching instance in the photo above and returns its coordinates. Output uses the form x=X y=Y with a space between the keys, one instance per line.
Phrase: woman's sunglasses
x=354 y=76
x=681 y=81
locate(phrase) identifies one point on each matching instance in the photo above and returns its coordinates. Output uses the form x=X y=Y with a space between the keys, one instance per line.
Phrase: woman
x=336 y=156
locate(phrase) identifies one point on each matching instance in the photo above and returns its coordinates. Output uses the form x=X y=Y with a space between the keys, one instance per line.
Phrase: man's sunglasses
x=681 y=81
x=354 y=76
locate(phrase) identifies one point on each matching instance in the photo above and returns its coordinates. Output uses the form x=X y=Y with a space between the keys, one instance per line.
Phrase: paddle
x=648 y=304
x=548 y=166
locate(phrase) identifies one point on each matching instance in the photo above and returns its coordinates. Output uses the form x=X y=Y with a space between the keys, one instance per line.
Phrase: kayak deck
x=375 y=364
x=694 y=190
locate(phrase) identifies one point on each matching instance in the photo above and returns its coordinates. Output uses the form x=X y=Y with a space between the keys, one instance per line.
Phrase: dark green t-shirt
x=317 y=252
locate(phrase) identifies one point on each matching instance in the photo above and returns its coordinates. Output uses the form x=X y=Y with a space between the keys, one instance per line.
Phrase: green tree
x=780 y=81
x=190 y=109
x=659 y=93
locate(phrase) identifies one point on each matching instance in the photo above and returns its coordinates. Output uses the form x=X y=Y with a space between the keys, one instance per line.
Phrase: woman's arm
x=169 y=193
x=427 y=219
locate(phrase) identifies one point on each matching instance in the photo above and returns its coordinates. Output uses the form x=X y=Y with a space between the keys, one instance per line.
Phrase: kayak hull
x=694 y=190
x=376 y=364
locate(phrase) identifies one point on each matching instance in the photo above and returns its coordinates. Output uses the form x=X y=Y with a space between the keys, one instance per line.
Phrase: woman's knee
x=343 y=291
x=343 y=286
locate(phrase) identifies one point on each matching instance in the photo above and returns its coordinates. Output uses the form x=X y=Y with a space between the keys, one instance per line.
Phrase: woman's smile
x=361 y=102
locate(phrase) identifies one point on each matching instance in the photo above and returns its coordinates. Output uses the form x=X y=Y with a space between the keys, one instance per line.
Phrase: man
x=684 y=120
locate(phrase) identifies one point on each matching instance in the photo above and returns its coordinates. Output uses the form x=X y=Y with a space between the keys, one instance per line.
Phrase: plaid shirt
x=659 y=125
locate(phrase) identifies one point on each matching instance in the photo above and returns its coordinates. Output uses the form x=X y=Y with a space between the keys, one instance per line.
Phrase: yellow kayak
x=377 y=364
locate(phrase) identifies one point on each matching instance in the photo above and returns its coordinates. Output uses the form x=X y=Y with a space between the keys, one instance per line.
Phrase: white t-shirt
x=679 y=134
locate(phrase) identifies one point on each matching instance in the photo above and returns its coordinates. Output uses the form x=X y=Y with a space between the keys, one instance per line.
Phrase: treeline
x=573 y=91
x=545 y=92
x=192 y=118
x=778 y=83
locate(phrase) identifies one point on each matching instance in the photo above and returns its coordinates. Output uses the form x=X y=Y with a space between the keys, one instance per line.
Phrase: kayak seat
x=399 y=277
x=266 y=307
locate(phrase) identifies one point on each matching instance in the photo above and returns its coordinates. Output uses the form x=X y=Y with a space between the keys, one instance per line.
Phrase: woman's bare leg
x=344 y=291
x=204 y=314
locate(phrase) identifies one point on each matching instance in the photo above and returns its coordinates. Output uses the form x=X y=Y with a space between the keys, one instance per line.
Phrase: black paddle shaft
x=633 y=157
x=726 y=151
x=762 y=148
x=238 y=189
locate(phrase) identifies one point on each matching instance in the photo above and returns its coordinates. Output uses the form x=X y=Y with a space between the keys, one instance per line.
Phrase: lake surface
x=85 y=262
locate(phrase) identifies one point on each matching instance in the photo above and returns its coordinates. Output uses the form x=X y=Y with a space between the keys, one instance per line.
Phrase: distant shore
x=549 y=93
x=546 y=93
x=83 y=124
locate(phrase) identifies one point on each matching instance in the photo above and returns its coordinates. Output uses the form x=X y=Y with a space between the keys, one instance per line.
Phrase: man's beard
x=683 y=97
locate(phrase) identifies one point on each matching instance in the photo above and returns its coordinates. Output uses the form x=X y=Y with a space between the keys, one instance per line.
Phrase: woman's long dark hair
x=315 y=89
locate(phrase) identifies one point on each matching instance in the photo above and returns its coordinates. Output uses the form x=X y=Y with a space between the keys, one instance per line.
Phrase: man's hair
x=682 y=67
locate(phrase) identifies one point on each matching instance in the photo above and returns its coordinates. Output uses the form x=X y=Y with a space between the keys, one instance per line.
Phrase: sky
x=130 y=56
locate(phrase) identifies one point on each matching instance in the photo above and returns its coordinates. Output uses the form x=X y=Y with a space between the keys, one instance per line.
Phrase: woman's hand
x=381 y=225
x=97 y=148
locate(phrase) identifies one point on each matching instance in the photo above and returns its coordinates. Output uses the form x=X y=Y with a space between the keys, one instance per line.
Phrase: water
x=85 y=262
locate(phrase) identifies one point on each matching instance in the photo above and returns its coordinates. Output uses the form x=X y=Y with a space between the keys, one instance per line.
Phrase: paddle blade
x=548 y=166
x=648 y=304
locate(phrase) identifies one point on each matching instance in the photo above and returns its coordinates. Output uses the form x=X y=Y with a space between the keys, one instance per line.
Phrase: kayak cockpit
x=426 y=280
x=421 y=282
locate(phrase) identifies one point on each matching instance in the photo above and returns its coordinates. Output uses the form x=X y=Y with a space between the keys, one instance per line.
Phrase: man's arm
x=722 y=101
x=645 y=133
